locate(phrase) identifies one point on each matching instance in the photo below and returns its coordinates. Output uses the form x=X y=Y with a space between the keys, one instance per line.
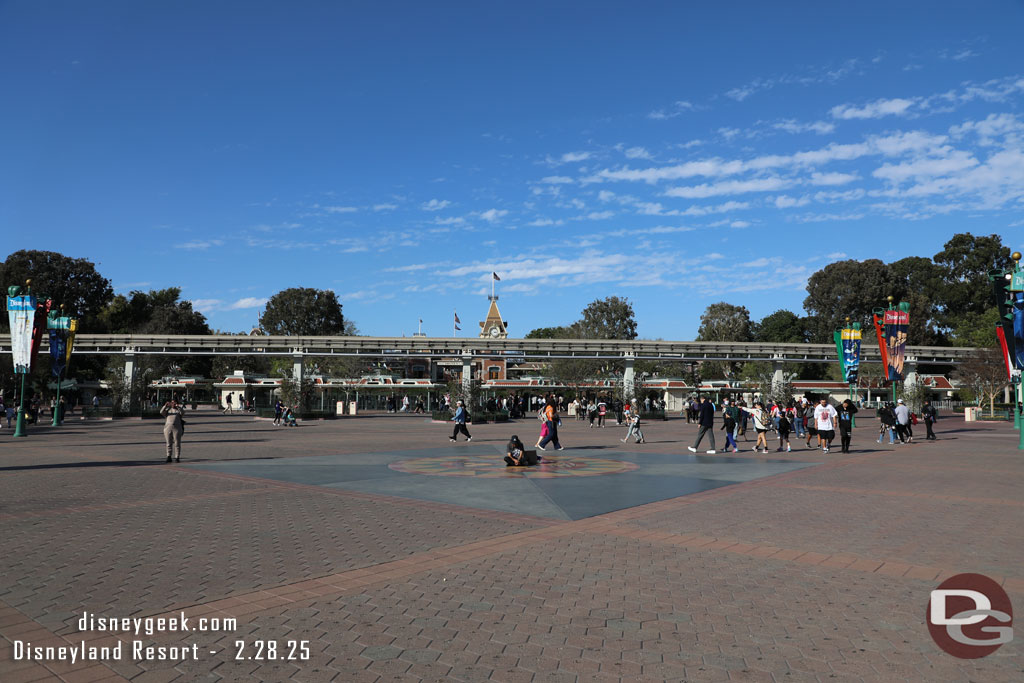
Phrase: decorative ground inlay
x=489 y=466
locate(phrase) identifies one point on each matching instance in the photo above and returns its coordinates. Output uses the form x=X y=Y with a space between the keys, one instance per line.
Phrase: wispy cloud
x=493 y=215
x=435 y=205
x=793 y=126
x=384 y=207
x=675 y=110
x=199 y=245
x=896 y=106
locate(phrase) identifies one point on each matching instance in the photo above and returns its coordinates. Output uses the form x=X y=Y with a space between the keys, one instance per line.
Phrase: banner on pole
x=878 y=316
x=59 y=326
x=896 y=323
x=38 y=326
x=21 y=311
x=849 y=352
x=71 y=340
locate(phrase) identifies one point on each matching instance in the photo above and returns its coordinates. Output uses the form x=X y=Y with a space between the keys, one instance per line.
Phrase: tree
x=984 y=373
x=303 y=311
x=846 y=288
x=608 y=318
x=966 y=260
x=562 y=332
x=296 y=392
x=974 y=329
x=74 y=282
x=722 y=322
x=782 y=327
x=726 y=323
x=159 y=311
x=573 y=373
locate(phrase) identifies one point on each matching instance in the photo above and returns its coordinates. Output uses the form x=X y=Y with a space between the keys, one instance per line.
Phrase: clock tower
x=494 y=327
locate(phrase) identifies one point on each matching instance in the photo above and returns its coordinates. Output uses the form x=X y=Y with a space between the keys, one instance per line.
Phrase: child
x=729 y=424
x=543 y=433
x=289 y=418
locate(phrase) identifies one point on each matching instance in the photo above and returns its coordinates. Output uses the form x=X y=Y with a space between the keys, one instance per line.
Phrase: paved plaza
x=399 y=556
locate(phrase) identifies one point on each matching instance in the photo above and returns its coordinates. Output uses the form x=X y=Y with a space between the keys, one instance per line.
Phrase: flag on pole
x=457 y=321
x=495 y=276
x=21 y=311
x=457 y=327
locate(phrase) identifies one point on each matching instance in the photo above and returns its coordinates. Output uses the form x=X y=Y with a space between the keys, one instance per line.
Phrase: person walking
x=762 y=422
x=602 y=411
x=174 y=427
x=551 y=420
x=825 y=419
x=278 y=411
x=591 y=412
x=785 y=419
x=886 y=423
x=903 y=422
x=929 y=413
x=706 y=420
x=227 y=405
x=460 y=422
x=729 y=425
x=846 y=412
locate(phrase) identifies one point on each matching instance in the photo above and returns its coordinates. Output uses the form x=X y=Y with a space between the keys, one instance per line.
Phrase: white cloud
x=544 y=222
x=568 y=158
x=452 y=220
x=492 y=215
x=340 y=209
x=556 y=180
x=637 y=153
x=199 y=245
x=384 y=207
x=249 y=302
x=675 y=110
x=596 y=216
x=729 y=187
x=926 y=168
x=793 y=126
x=896 y=106
x=832 y=178
x=435 y=205
x=787 y=202
x=740 y=224
x=994 y=126
x=206 y=305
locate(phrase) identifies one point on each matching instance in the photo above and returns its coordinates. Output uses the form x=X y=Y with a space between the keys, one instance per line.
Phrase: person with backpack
x=846 y=412
x=591 y=412
x=782 y=426
x=460 y=419
x=602 y=411
x=886 y=423
x=762 y=422
x=729 y=425
x=930 y=414
x=551 y=420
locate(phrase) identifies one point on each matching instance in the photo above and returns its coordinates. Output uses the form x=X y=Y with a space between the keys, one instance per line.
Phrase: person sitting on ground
x=517 y=456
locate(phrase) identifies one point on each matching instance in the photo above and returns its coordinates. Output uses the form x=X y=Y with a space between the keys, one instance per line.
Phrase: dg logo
x=970 y=616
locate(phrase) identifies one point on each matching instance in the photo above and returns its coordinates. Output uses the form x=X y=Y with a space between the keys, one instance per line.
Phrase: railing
x=469 y=348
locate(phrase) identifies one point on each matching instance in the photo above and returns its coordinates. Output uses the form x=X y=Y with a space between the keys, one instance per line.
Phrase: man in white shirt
x=825 y=419
x=902 y=420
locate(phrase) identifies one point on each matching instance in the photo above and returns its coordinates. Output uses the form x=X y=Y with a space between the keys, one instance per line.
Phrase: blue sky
x=677 y=154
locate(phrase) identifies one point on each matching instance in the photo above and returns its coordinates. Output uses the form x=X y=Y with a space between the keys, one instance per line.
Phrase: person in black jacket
x=887 y=423
x=930 y=414
x=846 y=412
x=706 y=420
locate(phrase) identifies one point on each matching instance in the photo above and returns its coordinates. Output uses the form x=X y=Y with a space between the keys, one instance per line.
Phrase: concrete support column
x=467 y=373
x=629 y=377
x=1006 y=394
x=297 y=365
x=129 y=379
x=778 y=374
x=909 y=373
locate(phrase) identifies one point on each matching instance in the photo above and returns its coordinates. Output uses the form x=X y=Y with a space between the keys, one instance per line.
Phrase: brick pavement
x=818 y=574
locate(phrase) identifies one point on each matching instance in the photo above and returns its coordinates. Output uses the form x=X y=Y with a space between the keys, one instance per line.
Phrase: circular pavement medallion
x=494 y=466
